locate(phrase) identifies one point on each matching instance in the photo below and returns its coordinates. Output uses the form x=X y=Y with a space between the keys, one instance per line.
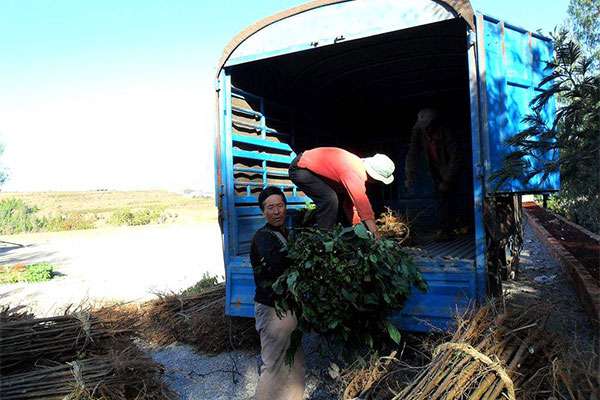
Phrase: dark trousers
x=328 y=202
x=444 y=204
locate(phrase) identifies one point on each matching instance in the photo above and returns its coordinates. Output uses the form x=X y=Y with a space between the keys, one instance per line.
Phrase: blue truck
x=353 y=74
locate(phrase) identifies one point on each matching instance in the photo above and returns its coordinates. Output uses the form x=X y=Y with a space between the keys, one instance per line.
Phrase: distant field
x=100 y=205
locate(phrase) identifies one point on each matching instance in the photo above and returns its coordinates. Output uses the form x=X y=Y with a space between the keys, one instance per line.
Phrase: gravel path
x=540 y=277
x=234 y=375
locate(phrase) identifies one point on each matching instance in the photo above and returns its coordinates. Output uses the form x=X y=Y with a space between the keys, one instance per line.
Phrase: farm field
x=100 y=208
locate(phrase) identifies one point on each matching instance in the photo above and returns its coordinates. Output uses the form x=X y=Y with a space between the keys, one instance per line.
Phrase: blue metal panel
x=511 y=64
x=452 y=287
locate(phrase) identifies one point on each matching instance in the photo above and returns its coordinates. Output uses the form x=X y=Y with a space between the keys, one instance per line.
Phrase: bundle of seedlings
x=198 y=320
x=119 y=375
x=392 y=225
x=493 y=355
x=343 y=284
x=24 y=341
x=11 y=314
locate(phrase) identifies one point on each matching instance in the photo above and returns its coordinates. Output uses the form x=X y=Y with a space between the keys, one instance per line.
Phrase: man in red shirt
x=335 y=180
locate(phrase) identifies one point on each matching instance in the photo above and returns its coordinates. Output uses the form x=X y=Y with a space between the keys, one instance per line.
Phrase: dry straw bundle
x=392 y=225
x=23 y=341
x=491 y=355
x=198 y=320
x=79 y=355
x=124 y=375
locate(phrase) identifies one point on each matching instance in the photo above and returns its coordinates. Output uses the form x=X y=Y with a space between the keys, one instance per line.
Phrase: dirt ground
x=540 y=278
x=111 y=264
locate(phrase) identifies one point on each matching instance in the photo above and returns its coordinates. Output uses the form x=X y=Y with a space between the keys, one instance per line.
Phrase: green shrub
x=129 y=217
x=38 y=272
x=581 y=208
x=68 y=222
x=206 y=282
x=17 y=217
x=344 y=284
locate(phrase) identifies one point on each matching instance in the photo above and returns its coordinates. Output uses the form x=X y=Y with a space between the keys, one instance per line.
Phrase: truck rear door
x=511 y=63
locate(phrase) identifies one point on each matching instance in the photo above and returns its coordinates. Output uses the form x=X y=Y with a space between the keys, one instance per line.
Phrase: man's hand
x=408 y=184
x=372 y=228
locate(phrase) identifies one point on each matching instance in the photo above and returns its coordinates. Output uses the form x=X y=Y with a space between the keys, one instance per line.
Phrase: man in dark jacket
x=269 y=261
x=436 y=142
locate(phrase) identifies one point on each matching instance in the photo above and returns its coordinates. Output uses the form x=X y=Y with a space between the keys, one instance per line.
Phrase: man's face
x=424 y=121
x=274 y=210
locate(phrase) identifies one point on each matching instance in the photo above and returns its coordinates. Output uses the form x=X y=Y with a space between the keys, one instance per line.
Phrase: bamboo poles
x=25 y=340
x=79 y=355
x=108 y=377
x=481 y=360
x=492 y=355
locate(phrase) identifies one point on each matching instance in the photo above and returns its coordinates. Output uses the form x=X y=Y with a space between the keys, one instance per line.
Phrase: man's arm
x=412 y=159
x=355 y=186
x=453 y=157
x=267 y=253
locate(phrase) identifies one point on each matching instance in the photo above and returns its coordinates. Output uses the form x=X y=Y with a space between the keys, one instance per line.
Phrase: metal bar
x=240 y=200
x=254 y=184
x=226 y=204
x=261 y=156
x=245 y=111
x=260 y=142
x=260 y=171
x=241 y=93
x=476 y=135
x=258 y=129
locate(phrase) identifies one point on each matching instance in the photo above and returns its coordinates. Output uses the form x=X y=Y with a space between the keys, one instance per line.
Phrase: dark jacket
x=268 y=256
x=446 y=167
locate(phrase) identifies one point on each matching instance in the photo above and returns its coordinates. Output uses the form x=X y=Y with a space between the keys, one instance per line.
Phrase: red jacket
x=347 y=170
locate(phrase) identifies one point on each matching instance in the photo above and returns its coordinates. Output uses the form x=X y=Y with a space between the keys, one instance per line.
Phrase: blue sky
x=119 y=94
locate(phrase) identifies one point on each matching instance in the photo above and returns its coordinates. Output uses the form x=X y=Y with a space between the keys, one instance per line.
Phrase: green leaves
x=344 y=284
x=361 y=231
x=393 y=332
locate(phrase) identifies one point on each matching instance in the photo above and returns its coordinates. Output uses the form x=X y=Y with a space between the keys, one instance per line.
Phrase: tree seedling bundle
x=344 y=284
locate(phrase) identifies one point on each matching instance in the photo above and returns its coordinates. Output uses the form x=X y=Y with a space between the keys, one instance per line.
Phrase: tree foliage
x=344 y=284
x=3 y=173
x=584 y=18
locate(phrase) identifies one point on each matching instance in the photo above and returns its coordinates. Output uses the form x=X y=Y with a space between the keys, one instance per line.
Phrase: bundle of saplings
x=344 y=284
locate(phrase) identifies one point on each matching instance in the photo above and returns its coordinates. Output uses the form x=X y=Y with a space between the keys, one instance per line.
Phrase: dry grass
x=393 y=225
x=494 y=354
x=79 y=355
x=101 y=204
x=198 y=320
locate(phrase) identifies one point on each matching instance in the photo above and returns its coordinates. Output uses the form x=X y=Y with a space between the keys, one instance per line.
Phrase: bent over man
x=277 y=380
x=335 y=180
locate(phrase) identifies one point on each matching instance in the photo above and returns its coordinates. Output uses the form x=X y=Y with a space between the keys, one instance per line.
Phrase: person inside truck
x=335 y=180
x=432 y=138
x=268 y=258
